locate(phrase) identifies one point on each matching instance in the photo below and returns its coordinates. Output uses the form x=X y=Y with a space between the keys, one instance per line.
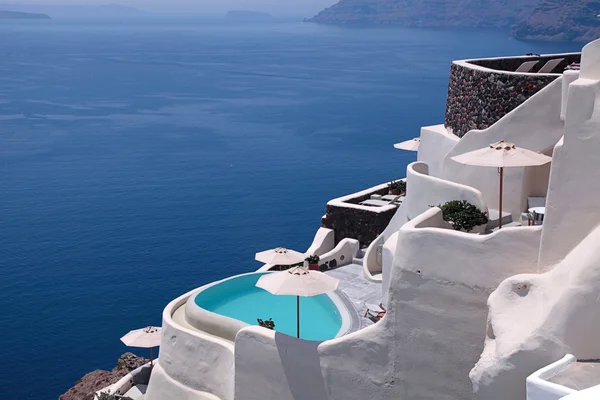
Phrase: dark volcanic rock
x=562 y=20
x=85 y=388
x=428 y=13
x=530 y=19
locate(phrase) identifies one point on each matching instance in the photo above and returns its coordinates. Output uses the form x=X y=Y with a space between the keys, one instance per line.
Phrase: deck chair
x=527 y=66
x=550 y=65
x=375 y=312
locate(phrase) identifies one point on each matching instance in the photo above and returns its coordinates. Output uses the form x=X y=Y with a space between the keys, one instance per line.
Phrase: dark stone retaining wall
x=362 y=225
x=477 y=99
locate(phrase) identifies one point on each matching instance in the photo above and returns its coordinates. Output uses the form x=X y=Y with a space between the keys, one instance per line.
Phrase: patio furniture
x=527 y=66
x=550 y=65
x=374 y=203
x=538 y=214
x=375 y=312
x=392 y=198
x=502 y=155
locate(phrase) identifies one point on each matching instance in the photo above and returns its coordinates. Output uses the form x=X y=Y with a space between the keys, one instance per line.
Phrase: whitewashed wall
x=572 y=208
x=192 y=365
x=538 y=386
x=436 y=143
x=556 y=311
x=426 y=191
x=535 y=125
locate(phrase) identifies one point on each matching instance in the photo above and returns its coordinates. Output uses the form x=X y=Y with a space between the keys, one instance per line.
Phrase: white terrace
x=469 y=315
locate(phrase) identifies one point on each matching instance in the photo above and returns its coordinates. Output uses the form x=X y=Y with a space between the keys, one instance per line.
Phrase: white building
x=468 y=315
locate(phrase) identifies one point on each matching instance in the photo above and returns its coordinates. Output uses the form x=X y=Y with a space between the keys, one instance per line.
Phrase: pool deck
x=357 y=288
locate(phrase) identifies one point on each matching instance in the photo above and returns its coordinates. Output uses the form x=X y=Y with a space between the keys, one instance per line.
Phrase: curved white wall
x=535 y=125
x=436 y=142
x=426 y=191
x=191 y=363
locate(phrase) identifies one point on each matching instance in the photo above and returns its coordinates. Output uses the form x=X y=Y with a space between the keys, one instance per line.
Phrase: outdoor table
x=538 y=214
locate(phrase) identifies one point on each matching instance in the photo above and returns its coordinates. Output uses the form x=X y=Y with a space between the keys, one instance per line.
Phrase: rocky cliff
x=562 y=20
x=85 y=388
x=428 y=13
x=529 y=19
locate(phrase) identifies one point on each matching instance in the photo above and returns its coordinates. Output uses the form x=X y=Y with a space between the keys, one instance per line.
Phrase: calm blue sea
x=141 y=160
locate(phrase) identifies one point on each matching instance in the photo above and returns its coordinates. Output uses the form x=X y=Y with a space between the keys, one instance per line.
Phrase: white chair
x=527 y=66
x=550 y=65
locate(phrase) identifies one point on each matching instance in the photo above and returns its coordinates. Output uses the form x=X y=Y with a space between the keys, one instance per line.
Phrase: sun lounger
x=375 y=312
x=527 y=66
x=550 y=65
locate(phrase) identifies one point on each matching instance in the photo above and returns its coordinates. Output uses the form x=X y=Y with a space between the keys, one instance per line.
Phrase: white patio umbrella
x=298 y=282
x=502 y=155
x=280 y=256
x=148 y=337
x=410 y=145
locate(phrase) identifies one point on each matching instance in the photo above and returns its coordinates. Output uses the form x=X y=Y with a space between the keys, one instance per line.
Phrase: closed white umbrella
x=298 y=282
x=502 y=155
x=280 y=256
x=148 y=337
x=410 y=145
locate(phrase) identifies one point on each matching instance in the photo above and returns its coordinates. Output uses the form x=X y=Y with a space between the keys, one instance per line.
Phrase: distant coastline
x=249 y=15
x=22 y=15
x=547 y=20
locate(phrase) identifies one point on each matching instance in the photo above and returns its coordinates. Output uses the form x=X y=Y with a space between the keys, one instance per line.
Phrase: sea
x=142 y=159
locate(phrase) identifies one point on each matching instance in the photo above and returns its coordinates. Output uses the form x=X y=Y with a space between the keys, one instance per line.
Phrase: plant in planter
x=463 y=215
x=396 y=187
x=269 y=324
x=313 y=262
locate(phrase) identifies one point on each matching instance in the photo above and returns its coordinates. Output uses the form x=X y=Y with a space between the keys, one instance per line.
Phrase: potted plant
x=267 y=323
x=313 y=262
x=393 y=188
x=396 y=187
x=462 y=215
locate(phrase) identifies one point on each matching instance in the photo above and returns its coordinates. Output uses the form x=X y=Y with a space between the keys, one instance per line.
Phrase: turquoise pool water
x=239 y=298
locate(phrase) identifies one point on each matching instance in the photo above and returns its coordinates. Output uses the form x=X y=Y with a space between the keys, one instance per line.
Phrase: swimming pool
x=240 y=299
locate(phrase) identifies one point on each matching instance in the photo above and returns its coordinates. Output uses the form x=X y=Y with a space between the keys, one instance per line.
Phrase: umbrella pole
x=500 y=200
x=298 y=314
x=150 y=356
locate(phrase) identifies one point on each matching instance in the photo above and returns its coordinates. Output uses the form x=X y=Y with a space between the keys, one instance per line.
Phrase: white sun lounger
x=550 y=65
x=527 y=66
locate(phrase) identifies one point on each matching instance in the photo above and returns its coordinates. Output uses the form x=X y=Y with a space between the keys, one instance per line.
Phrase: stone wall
x=477 y=97
x=359 y=224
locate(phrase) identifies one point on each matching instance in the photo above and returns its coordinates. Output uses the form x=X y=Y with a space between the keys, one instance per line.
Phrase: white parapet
x=538 y=386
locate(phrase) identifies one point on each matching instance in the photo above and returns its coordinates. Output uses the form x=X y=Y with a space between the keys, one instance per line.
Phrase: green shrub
x=463 y=215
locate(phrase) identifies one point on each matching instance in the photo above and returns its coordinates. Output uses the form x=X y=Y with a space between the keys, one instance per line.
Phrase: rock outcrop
x=561 y=20
x=85 y=388
x=428 y=13
x=529 y=19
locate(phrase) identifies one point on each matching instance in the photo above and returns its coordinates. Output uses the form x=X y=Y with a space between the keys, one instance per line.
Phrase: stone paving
x=357 y=288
